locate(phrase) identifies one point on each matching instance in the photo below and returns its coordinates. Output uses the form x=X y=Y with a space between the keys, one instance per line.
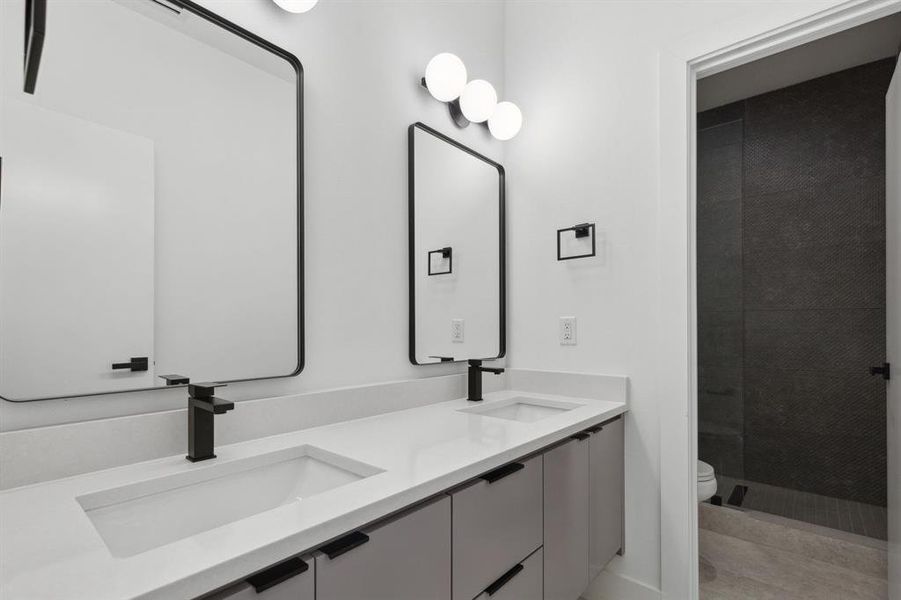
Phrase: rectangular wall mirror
x=457 y=257
x=151 y=199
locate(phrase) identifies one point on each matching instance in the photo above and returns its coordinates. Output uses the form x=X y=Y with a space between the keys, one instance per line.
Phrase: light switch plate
x=567 y=331
x=457 y=331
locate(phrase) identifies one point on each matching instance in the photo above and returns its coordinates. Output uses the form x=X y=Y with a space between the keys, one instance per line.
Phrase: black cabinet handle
x=345 y=544
x=503 y=580
x=139 y=363
x=500 y=473
x=581 y=436
x=35 y=29
x=595 y=429
x=276 y=574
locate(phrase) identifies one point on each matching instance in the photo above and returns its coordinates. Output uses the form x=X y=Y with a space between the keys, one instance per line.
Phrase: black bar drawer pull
x=581 y=436
x=500 y=473
x=137 y=363
x=276 y=574
x=594 y=429
x=345 y=544
x=503 y=580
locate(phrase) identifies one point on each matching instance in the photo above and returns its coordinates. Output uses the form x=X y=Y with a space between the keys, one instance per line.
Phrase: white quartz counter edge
x=50 y=550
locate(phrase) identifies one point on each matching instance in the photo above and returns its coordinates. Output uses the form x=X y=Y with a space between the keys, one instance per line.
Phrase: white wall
x=586 y=76
x=362 y=63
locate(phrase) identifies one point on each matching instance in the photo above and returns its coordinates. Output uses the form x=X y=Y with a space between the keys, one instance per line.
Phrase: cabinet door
x=405 y=558
x=566 y=521
x=522 y=582
x=289 y=580
x=607 y=494
x=497 y=524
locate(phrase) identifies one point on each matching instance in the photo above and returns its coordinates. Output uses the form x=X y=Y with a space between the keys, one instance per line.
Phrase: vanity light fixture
x=296 y=6
x=445 y=77
x=506 y=121
x=478 y=101
x=473 y=102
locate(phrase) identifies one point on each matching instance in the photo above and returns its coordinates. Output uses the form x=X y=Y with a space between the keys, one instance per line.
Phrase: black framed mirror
x=457 y=251
x=151 y=208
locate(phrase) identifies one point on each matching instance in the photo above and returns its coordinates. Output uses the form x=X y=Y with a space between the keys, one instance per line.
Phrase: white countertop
x=49 y=549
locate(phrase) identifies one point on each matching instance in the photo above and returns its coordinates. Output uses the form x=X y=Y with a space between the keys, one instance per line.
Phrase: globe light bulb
x=445 y=77
x=478 y=100
x=296 y=6
x=506 y=121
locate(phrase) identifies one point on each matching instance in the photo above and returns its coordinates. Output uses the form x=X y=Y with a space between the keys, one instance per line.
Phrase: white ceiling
x=850 y=48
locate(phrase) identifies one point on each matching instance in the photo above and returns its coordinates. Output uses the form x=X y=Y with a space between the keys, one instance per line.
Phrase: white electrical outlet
x=567 y=331
x=457 y=331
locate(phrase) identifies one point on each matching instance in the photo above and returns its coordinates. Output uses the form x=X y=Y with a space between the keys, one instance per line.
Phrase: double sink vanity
x=519 y=497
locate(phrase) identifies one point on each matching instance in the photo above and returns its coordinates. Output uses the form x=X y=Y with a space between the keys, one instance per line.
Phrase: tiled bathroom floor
x=844 y=515
x=746 y=557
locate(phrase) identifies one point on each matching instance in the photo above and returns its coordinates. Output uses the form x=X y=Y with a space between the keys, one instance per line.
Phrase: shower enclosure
x=791 y=300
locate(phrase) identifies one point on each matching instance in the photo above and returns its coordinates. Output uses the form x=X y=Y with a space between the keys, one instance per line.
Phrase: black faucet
x=475 y=379
x=202 y=405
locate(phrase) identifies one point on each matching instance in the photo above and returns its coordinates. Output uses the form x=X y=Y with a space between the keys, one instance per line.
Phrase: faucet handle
x=203 y=391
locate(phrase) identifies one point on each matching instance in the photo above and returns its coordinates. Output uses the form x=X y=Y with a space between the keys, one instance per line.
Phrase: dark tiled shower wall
x=791 y=285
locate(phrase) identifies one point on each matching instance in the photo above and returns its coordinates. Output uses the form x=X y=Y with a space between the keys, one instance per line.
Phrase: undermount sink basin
x=138 y=517
x=525 y=410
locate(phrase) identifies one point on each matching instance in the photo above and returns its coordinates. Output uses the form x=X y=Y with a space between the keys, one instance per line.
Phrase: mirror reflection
x=151 y=201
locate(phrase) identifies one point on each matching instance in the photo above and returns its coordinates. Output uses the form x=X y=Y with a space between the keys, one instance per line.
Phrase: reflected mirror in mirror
x=457 y=257
x=151 y=199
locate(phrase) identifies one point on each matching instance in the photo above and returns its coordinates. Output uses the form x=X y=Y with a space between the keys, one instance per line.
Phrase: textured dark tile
x=813 y=402
x=840 y=464
x=819 y=132
x=720 y=402
x=848 y=212
x=830 y=276
x=720 y=339
x=829 y=340
x=719 y=229
x=725 y=453
x=716 y=136
x=721 y=115
x=719 y=174
x=720 y=284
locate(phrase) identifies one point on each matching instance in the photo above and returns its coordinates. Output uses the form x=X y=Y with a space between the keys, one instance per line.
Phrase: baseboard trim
x=614 y=586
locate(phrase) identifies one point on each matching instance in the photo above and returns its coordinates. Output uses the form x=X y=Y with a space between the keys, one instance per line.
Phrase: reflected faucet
x=475 y=379
x=202 y=406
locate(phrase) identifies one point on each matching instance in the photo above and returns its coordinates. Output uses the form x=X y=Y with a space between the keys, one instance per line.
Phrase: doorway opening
x=791 y=317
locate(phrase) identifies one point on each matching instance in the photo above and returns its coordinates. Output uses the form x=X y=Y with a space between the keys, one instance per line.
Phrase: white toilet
x=706 y=481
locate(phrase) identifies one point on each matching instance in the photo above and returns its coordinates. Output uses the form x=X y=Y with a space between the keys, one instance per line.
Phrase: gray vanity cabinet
x=496 y=525
x=523 y=582
x=607 y=494
x=292 y=579
x=404 y=558
x=566 y=519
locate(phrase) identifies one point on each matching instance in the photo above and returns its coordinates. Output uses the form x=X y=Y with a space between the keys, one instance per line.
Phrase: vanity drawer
x=497 y=523
x=523 y=582
x=404 y=558
x=292 y=579
x=566 y=519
